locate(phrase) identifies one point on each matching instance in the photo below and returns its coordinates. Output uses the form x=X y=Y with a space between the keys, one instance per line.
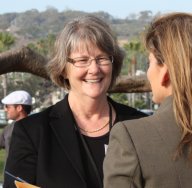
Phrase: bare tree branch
x=26 y=60
x=134 y=84
x=23 y=60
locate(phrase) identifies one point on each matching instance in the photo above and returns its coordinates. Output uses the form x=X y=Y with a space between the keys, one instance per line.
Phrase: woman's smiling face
x=91 y=81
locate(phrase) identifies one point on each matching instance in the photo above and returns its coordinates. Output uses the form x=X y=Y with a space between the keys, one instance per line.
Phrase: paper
x=24 y=185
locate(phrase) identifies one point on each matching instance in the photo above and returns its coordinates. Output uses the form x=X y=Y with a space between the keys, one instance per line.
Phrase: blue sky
x=117 y=8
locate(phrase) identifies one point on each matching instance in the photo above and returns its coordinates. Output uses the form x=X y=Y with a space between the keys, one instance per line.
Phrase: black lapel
x=62 y=124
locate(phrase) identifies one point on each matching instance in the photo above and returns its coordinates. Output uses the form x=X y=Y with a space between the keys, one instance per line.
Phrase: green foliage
x=44 y=46
x=140 y=104
x=6 y=41
x=135 y=55
x=119 y=97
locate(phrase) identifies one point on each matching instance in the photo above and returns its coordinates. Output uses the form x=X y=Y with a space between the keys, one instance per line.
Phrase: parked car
x=147 y=111
x=3 y=118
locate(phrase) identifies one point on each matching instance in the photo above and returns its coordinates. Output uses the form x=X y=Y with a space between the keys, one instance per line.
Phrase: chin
x=154 y=99
x=95 y=95
x=157 y=100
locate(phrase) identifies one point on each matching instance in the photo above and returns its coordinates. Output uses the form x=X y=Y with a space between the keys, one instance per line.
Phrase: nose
x=94 y=67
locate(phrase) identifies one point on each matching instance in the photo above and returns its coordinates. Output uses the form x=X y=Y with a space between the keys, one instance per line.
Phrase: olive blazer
x=141 y=153
x=45 y=151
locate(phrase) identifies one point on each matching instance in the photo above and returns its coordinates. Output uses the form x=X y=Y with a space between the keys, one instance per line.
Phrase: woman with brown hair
x=156 y=151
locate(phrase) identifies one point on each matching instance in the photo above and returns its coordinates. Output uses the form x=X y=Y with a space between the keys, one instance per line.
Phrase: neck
x=91 y=115
x=87 y=106
x=21 y=116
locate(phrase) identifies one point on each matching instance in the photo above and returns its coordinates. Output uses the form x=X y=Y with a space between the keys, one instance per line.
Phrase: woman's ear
x=165 y=78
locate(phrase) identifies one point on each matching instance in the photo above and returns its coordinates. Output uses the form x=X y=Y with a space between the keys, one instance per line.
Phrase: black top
x=97 y=147
x=46 y=150
x=93 y=151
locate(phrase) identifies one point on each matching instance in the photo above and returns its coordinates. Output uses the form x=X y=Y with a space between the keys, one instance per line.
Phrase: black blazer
x=44 y=148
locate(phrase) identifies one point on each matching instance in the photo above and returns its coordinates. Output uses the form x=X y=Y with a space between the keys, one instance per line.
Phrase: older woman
x=64 y=146
x=156 y=151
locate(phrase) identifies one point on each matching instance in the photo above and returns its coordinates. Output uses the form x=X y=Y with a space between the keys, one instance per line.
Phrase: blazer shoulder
x=43 y=118
x=143 y=121
x=34 y=123
x=36 y=117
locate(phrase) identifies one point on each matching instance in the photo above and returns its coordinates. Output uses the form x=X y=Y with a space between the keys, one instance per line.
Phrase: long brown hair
x=169 y=38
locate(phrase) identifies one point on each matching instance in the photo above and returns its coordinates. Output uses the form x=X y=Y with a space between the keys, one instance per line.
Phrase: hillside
x=32 y=24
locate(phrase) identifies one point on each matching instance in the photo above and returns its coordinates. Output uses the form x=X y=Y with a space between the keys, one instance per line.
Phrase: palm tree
x=135 y=51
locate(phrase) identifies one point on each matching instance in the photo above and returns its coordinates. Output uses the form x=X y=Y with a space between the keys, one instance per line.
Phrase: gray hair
x=79 y=33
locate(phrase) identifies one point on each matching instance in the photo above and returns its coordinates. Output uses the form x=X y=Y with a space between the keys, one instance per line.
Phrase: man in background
x=18 y=105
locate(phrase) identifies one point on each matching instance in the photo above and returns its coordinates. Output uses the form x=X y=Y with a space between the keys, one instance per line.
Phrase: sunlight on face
x=154 y=77
x=91 y=81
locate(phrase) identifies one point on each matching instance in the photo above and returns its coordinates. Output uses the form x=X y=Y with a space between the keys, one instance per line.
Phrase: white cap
x=18 y=97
